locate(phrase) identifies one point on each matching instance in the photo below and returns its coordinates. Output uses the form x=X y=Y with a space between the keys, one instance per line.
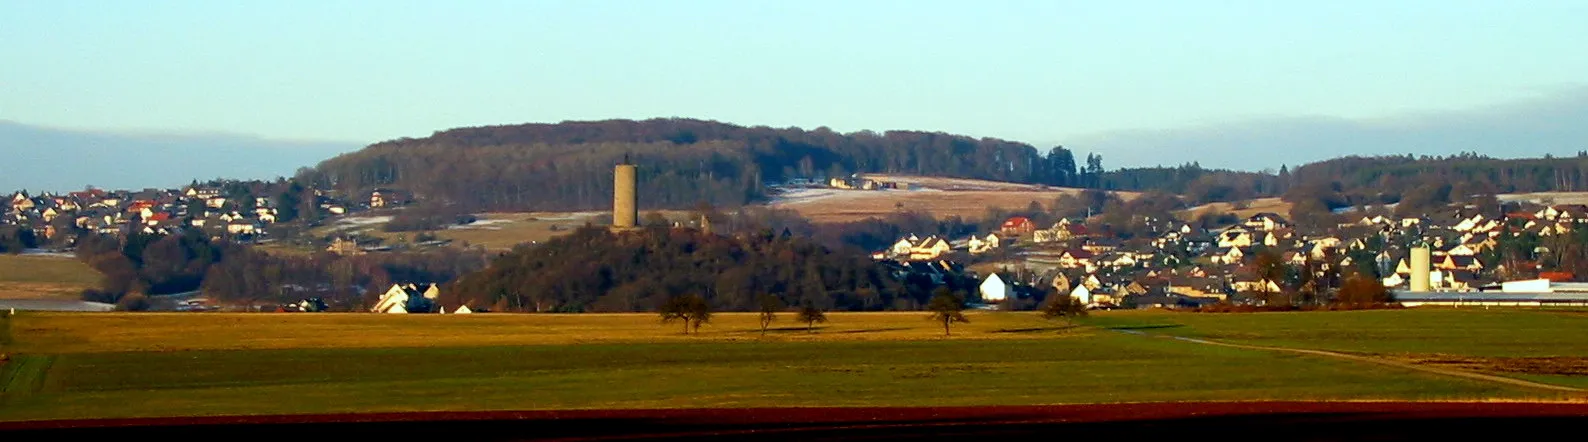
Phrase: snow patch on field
x=354 y=222
x=572 y=216
x=805 y=196
x=364 y=220
x=484 y=224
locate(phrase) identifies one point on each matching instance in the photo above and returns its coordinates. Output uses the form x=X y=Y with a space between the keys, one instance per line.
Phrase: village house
x=1075 y=258
x=1227 y=255
x=1082 y=293
x=930 y=248
x=21 y=202
x=1244 y=283
x=1060 y=283
x=1016 y=226
x=240 y=228
x=408 y=298
x=1236 y=237
x=978 y=245
x=1564 y=213
x=1375 y=220
x=993 y=289
x=1455 y=262
x=1116 y=260
x=1266 y=221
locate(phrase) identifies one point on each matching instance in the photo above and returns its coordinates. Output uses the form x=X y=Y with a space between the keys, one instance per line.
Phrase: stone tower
x=625 y=209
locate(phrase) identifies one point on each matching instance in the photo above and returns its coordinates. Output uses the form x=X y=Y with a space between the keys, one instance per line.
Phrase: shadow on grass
x=874 y=330
x=1145 y=327
x=1059 y=328
x=778 y=330
x=818 y=329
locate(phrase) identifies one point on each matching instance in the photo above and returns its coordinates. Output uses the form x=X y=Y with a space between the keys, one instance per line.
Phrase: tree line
x=142 y=265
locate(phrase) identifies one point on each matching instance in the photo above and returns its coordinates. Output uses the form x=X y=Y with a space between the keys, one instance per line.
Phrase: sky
x=1044 y=72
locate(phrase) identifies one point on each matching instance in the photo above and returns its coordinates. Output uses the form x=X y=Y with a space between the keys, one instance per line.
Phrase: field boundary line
x=1373 y=360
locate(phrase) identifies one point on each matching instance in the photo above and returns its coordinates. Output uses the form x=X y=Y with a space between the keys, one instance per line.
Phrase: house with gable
x=1227 y=255
x=903 y=246
x=1456 y=262
x=1076 y=258
x=21 y=202
x=930 y=248
x=1116 y=260
x=1061 y=283
x=1016 y=226
x=408 y=298
x=993 y=289
x=1266 y=221
x=979 y=245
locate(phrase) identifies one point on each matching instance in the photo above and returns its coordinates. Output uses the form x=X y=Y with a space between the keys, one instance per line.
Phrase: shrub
x=133 y=302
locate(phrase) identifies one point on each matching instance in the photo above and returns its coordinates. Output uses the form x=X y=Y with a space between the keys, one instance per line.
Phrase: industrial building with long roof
x=1525 y=293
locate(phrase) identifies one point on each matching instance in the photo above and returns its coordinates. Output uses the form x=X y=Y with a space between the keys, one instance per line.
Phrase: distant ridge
x=51 y=159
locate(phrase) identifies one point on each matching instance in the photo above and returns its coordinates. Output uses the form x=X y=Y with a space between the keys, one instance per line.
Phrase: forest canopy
x=592 y=270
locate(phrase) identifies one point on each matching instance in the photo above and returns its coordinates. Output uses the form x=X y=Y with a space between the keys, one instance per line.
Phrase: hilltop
x=566 y=166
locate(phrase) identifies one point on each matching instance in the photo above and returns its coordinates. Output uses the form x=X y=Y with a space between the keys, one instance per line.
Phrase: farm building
x=1526 y=293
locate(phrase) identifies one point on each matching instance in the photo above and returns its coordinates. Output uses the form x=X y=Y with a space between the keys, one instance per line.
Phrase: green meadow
x=131 y=365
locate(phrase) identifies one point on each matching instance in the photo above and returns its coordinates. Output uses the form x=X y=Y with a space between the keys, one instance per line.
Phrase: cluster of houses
x=150 y=211
x=61 y=218
x=1187 y=266
x=415 y=298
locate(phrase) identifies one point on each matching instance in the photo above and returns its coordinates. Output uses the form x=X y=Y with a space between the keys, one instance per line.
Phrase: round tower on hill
x=625 y=208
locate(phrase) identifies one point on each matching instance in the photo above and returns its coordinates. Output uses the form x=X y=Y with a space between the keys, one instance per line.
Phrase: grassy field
x=1547 y=197
x=1537 y=345
x=1466 y=332
x=498 y=231
x=495 y=231
x=99 y=365
x=1251 y=207
x=44 y=277
x=855 y=205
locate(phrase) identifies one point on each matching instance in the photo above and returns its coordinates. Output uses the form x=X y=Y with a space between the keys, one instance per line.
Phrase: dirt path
x=1380 y=361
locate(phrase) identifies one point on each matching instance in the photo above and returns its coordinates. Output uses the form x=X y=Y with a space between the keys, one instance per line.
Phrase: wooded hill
x=568 y=166
x=592 y=270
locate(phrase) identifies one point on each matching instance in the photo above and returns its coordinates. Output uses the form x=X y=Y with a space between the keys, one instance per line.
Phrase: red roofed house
x=1017 y=226
x=157 y=219
x=143 y=208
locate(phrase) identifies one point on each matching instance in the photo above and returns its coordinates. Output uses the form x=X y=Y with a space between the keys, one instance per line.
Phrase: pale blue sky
x=1035 y=71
